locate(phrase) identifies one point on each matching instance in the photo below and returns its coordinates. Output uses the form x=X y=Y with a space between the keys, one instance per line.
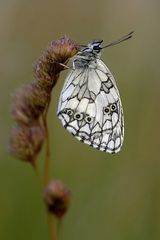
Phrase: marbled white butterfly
x=90 y=106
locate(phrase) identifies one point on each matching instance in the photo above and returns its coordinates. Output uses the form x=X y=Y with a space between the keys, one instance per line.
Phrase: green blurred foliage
x=115 y=197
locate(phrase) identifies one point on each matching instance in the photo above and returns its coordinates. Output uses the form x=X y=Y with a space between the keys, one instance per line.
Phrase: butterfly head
x=93 y=47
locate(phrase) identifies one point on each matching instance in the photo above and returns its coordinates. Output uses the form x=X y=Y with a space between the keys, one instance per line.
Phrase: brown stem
x=34 y=165
x=60 y=228
x=47 y=154
x=51 y=224
x=51 y=227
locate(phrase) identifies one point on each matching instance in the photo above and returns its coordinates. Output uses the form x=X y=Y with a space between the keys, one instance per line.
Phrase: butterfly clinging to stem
x=90 y=106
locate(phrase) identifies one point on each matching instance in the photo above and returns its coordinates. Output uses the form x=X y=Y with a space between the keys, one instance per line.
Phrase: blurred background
x=115 y=197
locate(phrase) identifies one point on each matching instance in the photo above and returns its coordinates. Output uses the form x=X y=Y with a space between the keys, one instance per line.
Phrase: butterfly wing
x=90 y=108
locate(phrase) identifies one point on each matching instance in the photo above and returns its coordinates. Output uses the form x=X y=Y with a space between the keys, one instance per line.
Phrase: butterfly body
x=90 y=106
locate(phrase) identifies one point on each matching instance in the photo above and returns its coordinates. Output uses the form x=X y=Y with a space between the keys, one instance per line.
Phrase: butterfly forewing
x=90 y=107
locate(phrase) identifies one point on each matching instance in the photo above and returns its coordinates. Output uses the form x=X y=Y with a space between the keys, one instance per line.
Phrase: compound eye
x=78 y=116
x=89 y=119
x=96 y=48
x=113 y=107
x=106 y=110
x=69 y=112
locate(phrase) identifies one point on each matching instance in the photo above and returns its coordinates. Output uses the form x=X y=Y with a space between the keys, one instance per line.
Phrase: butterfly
x=90 y=107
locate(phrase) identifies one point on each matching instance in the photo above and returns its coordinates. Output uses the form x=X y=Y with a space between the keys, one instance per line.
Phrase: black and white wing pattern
x=90 y=107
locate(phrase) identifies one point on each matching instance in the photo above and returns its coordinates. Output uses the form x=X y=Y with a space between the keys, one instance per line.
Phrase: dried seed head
x=57 y=198
x=47 y=68
x=26 y=141
x=40 y=96
x=62 y=49
x=29 y=103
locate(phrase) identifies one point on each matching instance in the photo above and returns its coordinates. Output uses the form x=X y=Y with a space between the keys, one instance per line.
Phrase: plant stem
x=51 y=224
x=34 y=165
x=51 y=227
x=47 y=154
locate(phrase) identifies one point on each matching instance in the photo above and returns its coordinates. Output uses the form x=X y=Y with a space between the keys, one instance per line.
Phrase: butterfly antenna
x=124 y=38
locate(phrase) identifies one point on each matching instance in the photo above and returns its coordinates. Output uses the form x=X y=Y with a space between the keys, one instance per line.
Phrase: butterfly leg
x=74 y=65
x=65 y=66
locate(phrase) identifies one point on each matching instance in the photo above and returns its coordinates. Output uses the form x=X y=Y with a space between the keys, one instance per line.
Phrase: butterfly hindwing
x=90 y=107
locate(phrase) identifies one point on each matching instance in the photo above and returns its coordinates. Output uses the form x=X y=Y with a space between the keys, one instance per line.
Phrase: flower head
x=57 y=198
